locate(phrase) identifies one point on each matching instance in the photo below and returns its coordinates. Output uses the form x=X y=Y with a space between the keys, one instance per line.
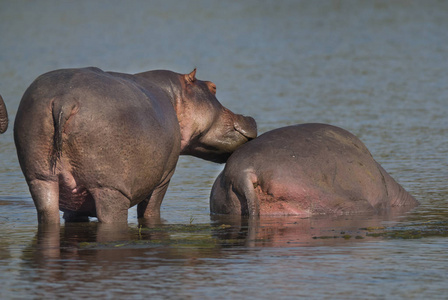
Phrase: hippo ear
x=189 y=78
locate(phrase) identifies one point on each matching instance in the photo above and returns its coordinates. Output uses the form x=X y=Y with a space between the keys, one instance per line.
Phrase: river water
x=376 y=68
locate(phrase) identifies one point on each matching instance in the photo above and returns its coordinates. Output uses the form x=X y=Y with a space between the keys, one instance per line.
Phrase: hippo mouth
x=246 y=126
x=218 y=146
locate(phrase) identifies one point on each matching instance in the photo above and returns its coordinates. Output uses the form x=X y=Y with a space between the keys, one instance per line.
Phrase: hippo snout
x=246 y=126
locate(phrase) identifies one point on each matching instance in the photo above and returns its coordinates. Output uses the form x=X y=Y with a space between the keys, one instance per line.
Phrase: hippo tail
x=61 y=112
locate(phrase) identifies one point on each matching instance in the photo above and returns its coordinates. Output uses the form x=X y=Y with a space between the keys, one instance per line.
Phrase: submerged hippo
x=305 y=170
x=94 y=143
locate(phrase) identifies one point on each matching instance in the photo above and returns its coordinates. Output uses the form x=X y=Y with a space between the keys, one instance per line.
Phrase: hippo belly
x=304 y=170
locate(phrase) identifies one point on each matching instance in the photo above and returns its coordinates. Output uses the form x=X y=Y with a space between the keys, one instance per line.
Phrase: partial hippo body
x=93 y=143
x=3 y=116
x=304 y=170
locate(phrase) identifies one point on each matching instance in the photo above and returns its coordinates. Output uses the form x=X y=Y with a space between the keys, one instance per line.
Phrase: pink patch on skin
x=283 y=199
x=71 y=197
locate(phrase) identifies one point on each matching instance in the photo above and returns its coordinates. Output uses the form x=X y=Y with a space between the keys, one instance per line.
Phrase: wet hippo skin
x=95 y=143
x=304 y=170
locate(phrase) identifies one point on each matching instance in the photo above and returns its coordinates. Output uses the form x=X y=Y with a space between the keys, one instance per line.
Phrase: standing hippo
x=94 y=143
x=3 y=116
x=305 y=170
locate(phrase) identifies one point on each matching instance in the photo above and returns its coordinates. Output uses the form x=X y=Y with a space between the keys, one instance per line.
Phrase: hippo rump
x=304 y=170
x=94 y=143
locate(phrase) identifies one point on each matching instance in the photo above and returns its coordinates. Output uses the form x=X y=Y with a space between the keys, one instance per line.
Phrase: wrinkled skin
x=304 y=170
x=94 y=143
x=3 y=116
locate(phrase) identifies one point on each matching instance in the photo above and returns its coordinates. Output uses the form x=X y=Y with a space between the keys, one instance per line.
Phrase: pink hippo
x=304 y=170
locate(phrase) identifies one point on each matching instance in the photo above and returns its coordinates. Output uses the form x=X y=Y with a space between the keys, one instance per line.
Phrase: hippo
x=93 y=144
x=305 y=170
x=3 y=116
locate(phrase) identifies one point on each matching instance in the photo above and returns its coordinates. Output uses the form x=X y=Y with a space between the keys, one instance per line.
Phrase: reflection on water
x=72 y=240
x=120 y=257
x=375 y=68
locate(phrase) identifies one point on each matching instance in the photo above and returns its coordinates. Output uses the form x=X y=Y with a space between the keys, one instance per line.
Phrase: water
x=376 y=68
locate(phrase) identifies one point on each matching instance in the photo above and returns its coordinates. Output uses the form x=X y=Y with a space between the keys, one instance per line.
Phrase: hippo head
x=209 y=130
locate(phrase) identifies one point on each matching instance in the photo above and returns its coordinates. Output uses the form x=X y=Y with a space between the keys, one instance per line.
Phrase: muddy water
x=377 y=68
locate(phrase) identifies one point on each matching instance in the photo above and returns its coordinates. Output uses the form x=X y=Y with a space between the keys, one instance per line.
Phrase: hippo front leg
x=150 y=207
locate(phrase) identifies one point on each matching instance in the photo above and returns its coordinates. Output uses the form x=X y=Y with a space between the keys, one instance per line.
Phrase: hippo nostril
x=246 y=126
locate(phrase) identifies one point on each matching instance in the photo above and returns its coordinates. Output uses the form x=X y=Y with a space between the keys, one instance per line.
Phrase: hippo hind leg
x=237 y=197
x=45 y=195
x=111 y=205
